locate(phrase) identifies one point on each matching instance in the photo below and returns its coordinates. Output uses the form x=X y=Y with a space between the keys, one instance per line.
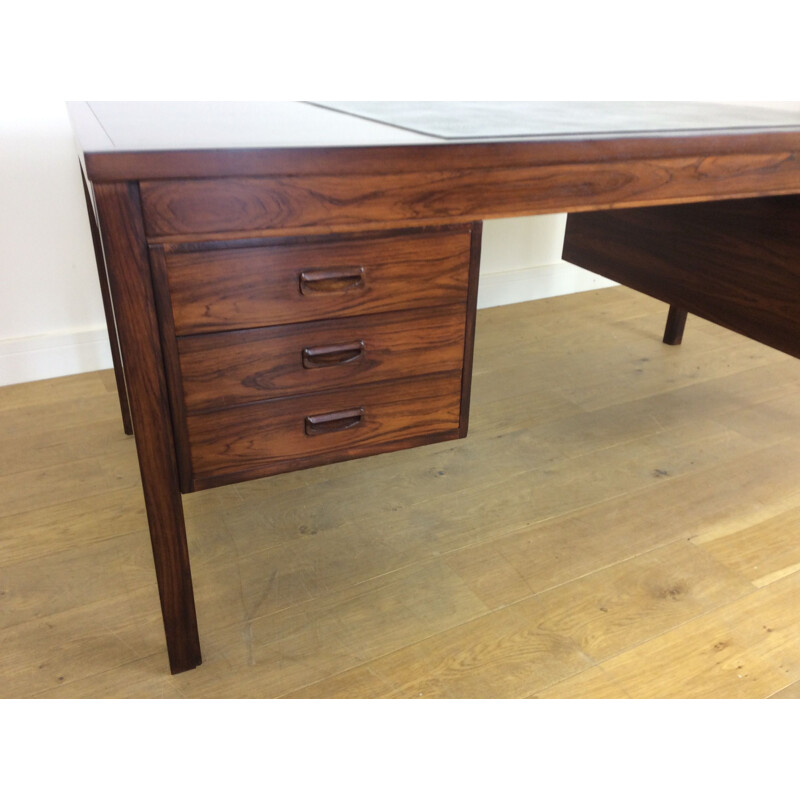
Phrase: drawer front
x=275 y=284
x=281 y=435
x=225 y=369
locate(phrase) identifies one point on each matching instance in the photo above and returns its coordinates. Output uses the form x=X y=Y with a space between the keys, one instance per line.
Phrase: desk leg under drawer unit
x=252 y=357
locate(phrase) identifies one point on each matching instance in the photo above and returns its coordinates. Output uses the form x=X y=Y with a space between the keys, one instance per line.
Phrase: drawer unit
x=274 y=284
x=285 y=354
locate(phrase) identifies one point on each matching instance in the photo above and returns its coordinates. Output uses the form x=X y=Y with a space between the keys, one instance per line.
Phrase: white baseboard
x=34 y=358
x=535 y=283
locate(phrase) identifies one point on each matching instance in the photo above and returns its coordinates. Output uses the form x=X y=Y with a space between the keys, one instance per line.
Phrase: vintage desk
x=292 y=284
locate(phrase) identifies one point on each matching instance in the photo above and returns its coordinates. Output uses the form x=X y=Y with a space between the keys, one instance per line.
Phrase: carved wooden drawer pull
x=318 y=281
x=335 y=421
x=333 y=354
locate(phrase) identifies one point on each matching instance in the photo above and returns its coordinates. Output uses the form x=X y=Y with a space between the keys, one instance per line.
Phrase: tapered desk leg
x=111 y=325
x=676 y=322
x=119 y=213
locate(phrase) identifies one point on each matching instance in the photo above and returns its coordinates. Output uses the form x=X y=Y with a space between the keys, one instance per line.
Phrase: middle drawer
x=237 y=367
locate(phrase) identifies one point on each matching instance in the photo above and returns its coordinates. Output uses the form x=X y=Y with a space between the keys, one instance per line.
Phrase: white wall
x=521 y=260
x=51 y=313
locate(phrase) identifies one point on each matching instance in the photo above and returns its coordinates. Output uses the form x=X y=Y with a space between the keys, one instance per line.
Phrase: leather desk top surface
x=131 y=140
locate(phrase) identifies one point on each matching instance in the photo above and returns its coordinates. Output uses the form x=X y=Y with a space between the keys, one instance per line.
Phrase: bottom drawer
x=297 y=432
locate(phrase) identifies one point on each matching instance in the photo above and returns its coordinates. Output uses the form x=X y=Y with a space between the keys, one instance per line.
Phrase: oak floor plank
x=616 y=608
x=142 y=679
x=502 y=655
x=760 y=553
x=73 y=523
x=51 y=486
x=279 y=652
x=355 y=684
x=646 y=370
x=60 y=414
x=50 y=448
x=38 y=588
x=579 y=623
x=46 y=652
x=749 y=648
x=70 y=388
x=771 y=420
x=718 y=502
x=592 y=684
x=791 y=692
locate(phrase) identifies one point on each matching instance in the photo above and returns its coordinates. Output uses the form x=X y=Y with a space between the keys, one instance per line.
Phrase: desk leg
x=111 y=325
x=119 y=213
x=676 y=322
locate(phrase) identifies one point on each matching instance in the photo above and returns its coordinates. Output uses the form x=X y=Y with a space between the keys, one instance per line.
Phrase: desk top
x=141 y=140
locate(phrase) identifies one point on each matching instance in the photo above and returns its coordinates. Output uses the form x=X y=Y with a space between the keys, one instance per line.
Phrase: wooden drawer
x=231 y=288
x=281 y=435
x=225 y=369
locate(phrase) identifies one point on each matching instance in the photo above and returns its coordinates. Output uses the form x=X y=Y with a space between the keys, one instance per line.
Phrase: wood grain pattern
x=267 y=438
x=172 y=370
x=108 y=309
x=735 y=263
x=129 y=277
x=349 y=201
x=250 y=287
x=746 y=649
x=760 y=553
x=244 y=366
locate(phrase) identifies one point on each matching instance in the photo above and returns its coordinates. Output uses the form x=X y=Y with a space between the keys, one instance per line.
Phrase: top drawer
x=273 y=284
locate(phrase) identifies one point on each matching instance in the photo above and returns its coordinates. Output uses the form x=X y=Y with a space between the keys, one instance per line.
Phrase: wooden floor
x=622 y=521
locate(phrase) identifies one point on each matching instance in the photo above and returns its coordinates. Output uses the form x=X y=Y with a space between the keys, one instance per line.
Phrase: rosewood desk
x=292 y=284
